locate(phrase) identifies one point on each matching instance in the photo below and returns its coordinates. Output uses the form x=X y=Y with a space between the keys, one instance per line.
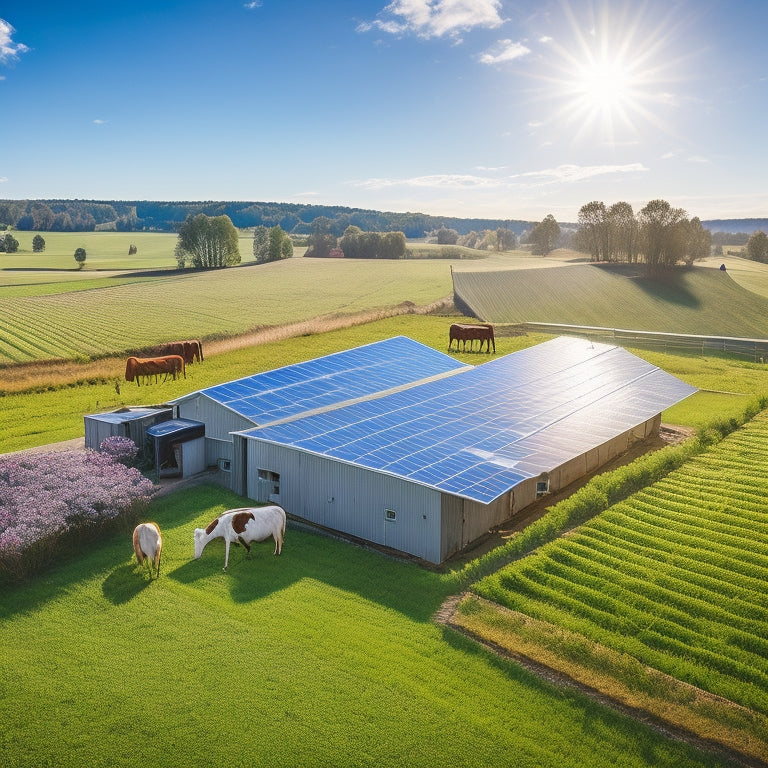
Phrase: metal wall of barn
x=369 y=505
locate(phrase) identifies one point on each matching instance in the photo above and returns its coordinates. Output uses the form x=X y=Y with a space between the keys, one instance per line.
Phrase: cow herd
x=169 y=359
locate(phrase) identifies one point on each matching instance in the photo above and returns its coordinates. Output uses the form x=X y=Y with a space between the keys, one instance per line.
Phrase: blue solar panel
x=480 y=432
x=327 y=381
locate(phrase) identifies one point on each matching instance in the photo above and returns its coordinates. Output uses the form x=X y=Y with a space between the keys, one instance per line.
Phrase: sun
x=604 y=85
x=609 y=73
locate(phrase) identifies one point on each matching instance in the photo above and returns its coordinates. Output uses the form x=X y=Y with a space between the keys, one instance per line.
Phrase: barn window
x=390 y=515
x=542 y=487
x=270 y=482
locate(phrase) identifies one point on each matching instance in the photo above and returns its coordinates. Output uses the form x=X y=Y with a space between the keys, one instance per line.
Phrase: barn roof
x=479 y=433
x=327 y=381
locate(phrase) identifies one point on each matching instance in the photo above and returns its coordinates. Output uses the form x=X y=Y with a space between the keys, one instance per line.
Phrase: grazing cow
x=136 y=367
x=245 y=524
x=465 y=332
x=147 y=544
x=189 y=350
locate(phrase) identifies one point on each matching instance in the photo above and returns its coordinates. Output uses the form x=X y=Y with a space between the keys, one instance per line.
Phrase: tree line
x=165 y=216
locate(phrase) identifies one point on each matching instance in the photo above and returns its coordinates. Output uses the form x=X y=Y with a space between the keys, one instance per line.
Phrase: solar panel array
x=330 y=380
x=479 y=433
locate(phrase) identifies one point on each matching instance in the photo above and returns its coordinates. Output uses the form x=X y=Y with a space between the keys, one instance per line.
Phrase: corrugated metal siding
x=350 y=499
x=219 y=422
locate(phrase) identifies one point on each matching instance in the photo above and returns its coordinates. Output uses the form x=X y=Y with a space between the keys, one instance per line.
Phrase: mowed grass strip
x=324 y=656
x=696 y=301
x=673 y=576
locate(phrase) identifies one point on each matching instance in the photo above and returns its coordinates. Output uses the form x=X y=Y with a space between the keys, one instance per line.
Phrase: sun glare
x=610 y=72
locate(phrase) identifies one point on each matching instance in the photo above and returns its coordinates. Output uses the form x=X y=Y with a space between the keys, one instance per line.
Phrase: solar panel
x=330 y=380
x=480 y=432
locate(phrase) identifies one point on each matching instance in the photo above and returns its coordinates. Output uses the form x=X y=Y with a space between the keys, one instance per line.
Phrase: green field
x=697 y=301
x=220 y=303
x=673 y=577
x=325 y=656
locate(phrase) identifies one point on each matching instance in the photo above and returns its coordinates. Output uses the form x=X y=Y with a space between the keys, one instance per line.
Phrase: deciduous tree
x=38 y=243
x=544 y=236
x=80 y=256
x=210 y=241
x=757 y=246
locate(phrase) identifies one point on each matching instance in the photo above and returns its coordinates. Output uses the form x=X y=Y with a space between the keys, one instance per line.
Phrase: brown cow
x=465 y=332
x=189 y=350
x=136 y=367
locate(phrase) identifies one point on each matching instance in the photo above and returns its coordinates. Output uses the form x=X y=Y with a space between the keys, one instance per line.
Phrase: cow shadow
x=123 y=584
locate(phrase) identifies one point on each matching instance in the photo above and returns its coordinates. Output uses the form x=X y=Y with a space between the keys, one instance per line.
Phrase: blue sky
x=489 y=108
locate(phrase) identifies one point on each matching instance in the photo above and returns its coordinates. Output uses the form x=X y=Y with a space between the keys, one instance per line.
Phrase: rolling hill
x=698 y=301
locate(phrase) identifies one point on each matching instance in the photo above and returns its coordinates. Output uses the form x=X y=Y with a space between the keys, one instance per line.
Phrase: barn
x=428 y=460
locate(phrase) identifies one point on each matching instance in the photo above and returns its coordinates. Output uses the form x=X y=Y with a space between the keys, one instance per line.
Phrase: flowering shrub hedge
x=48 y=497
x=121 y=449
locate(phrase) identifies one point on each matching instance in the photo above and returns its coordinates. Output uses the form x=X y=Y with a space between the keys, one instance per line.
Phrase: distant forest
x=294 y=218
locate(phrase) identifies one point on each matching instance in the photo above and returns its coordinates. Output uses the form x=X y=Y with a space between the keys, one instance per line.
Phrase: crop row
x=673 y=575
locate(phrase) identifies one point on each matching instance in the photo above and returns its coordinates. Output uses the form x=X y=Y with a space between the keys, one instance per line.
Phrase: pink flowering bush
x=47 y=497
x=121 y=449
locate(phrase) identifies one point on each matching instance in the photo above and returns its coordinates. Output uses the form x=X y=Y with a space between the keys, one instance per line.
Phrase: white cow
x=148 y=544
x=245 y=524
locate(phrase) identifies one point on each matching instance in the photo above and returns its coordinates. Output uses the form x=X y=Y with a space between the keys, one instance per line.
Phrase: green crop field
x=673 y=577
x=324 y=656
x=698 y=301
x=220 y=303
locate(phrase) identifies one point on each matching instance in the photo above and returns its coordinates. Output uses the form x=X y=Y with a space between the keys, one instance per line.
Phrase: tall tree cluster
x=659 y=235
x=209 y=241
x=357 y=244
x=271 y=244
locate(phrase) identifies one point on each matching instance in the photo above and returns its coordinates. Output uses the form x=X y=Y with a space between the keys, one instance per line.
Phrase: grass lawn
x=325 y=656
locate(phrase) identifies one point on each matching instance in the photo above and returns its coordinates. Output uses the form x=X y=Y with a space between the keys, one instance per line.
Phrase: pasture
x=136 y=313
x=324 y=656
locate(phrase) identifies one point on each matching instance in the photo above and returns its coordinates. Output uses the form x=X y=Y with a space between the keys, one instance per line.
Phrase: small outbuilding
x=178 y=446
x=131 y=422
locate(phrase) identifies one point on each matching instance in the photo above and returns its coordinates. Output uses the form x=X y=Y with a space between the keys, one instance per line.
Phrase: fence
x=755 y=350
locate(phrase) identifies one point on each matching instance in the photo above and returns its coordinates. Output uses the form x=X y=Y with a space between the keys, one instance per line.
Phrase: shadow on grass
x=123 y=584
x=307 y=555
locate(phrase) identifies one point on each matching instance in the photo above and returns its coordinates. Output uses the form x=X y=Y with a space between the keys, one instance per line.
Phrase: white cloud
x=562 y=174
x=435 y=181
x=3 y=179
x=435 y=18
x=99 y=121
x=253 y=4
x=573 y=173
x=698 y=159
x=504 y=51
x=8 y=49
